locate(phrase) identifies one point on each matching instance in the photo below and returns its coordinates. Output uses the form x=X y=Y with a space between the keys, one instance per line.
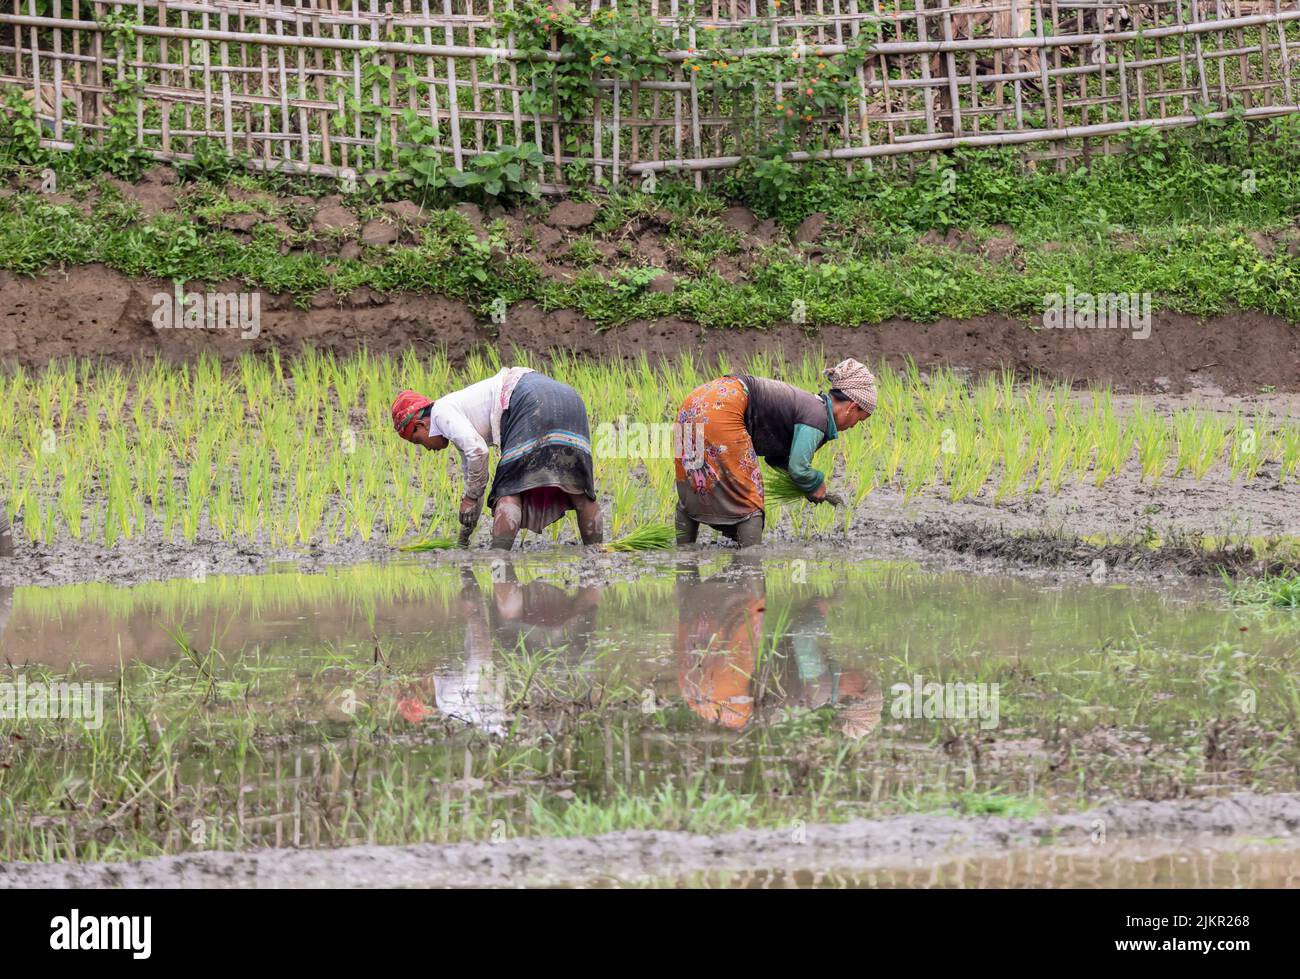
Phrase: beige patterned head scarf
x=855 y=382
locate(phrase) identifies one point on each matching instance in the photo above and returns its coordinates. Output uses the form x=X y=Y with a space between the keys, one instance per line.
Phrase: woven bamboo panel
x=323 y=85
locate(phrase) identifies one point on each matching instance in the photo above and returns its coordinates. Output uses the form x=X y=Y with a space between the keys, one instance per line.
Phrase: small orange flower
x=695 y=67
x=607 y=59
x=809 y=92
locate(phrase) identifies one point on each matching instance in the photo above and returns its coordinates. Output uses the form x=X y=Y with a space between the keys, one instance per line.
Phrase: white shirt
x=471 y=420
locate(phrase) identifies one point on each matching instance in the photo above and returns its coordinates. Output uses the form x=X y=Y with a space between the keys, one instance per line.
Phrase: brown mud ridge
x=648 y=856
x=93 y=311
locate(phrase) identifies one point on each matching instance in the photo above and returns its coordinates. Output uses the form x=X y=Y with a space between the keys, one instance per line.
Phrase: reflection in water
x=6 y=550
x=6 y=607
x=728 y=670
x=1138 y=864
x=719 y=635
x=531 y=617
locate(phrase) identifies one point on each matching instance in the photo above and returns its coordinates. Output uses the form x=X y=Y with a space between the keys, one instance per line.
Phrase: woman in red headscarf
x=540 y=426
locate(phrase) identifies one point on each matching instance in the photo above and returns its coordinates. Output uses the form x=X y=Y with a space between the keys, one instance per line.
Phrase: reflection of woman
x=719 y=630
x=545 y=468
x=540 y=616
x=810 y=679
x=719 y=635
x=536 y=615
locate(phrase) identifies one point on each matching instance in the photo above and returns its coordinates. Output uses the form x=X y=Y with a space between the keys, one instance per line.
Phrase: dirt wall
x=94 y=311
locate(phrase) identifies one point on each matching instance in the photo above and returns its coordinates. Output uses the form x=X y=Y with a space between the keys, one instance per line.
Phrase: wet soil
x=631 y=857
x=99 y=312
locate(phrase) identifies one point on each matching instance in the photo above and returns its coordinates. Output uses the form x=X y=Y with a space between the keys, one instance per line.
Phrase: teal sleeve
x=805 y=443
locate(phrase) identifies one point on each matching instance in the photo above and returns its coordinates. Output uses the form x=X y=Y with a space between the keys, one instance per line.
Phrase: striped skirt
x=545 y=451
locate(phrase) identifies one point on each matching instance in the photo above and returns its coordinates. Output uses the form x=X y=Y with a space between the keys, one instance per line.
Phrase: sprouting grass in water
x=1266 y=591
x=695 y=808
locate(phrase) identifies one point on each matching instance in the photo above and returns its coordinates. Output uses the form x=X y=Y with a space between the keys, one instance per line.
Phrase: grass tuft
x=1267 y=591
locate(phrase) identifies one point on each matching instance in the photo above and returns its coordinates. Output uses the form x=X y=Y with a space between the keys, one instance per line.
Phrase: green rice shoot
x=652 y=537
x=433 y=544
x=779 y=489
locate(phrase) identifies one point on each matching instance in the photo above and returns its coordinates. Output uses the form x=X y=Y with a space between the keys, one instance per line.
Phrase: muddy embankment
x=94 y=311
x=631 y=857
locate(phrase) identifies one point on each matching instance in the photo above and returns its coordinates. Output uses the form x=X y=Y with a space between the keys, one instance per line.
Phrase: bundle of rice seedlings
x=779 y=489
x=432 y=544
x=655 y=537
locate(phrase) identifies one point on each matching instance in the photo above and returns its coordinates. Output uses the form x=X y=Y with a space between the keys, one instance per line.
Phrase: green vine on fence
x=630 y=46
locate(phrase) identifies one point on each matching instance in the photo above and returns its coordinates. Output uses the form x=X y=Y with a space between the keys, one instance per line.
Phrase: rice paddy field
x=288 y=661
x=300 y=451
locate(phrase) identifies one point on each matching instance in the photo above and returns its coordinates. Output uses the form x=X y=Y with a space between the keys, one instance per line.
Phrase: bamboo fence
x=332 y=87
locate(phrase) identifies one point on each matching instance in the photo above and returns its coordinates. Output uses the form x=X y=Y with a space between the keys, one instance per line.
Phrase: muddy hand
x=469 y=511
x=834 y=499
x=465 y=534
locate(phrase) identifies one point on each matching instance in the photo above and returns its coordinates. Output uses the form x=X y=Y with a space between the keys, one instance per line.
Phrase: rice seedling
x=1200 y=441
x=779 y=489
x=432 y=544
x=652 y=537
x=1152 y=435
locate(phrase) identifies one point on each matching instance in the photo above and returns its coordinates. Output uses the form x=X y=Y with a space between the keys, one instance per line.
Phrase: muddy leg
x=749 y=533
x=506 y=516
x=589 y=523
x=688 y=528
x=6 y=535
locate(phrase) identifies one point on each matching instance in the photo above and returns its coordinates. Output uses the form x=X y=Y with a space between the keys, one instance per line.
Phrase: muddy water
x=861 y=613
x=405 y=702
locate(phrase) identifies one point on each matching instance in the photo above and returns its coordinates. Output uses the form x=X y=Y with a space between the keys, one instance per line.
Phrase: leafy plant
x=501 y=174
